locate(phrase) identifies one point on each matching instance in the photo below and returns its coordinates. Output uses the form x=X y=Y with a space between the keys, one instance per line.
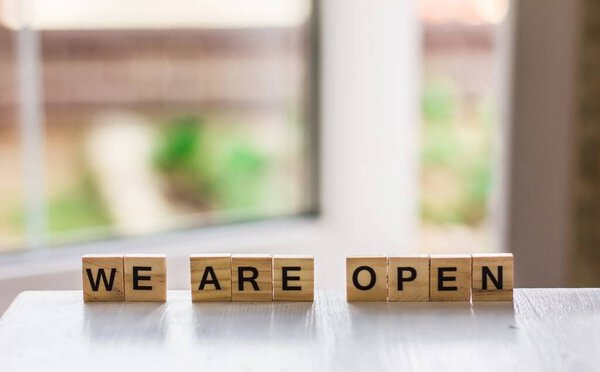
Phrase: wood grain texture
x=366 y=271
x=151 y=277
x=501 y=266
x=542 y=330
x=102 y=278
x=260 y=288
x=301 y=288
x=410 y=291
x=450 y=277
x=210 y=277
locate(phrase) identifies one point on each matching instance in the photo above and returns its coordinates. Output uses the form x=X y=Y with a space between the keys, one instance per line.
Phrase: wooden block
x=493 y=278
x=293 y=278
x=450 y=277
x=211 y=277
x=366 y=278
x=102 y=278
x=252 y=277
x=145 y=277
x=408 y=278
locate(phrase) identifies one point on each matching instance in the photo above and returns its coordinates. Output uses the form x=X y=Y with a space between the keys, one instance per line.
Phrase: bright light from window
x=465 y=11
x=140 y=14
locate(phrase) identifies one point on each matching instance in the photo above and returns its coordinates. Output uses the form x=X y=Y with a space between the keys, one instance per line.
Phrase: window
x=175 y=115
x=460 y=123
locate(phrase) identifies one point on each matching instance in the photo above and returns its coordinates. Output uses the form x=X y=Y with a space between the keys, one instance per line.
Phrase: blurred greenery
x=212 y=165
x=455 y=156
x=78 y=208
x=205 y=167
x=209 y=166
x=179 y=155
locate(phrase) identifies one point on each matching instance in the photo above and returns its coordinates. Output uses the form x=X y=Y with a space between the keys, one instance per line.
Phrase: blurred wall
x=585 y=254
x=539 y=126
x=552 y=122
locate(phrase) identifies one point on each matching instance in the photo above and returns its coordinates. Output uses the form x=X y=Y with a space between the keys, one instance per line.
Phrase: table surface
x=544 y=329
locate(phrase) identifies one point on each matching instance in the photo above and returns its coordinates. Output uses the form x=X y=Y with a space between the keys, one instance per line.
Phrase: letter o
x=371 y=282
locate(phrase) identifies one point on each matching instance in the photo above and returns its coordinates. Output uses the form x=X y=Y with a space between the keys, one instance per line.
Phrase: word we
x=477 y=277
x=214 y=277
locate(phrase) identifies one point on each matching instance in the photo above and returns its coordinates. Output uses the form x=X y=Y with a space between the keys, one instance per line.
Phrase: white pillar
x=371 y=68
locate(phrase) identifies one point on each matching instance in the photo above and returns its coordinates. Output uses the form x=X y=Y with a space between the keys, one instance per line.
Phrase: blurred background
x=152 y=118
x=298 y=126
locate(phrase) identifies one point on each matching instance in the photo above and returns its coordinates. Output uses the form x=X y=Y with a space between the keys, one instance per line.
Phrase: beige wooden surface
x=221 y=265
x=379 y=276
x=303 y=279
x=494 y=262
x=264 y=281
x=460 y=278
x=415 y=290
x=93 y=263
x=154 y=278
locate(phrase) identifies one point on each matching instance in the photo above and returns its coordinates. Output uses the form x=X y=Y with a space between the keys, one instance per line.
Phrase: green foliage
x=12 y=219
x=180 y=145
x=181 y=156
x=78 y=208
x=211 y=167
x=440 y=143
x=456 y=159
x=438 y=103
x=478 y=170
x=477 y=180
x=241 y=181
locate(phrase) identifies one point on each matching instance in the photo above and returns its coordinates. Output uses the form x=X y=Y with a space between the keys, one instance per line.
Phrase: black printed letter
x=486 y=272
x=371 y=282
x=137 y=277
x=442 y=279
x=213 y=279
x=402 y=279
x=285 y=278
x=252 y=279
x=95 y=284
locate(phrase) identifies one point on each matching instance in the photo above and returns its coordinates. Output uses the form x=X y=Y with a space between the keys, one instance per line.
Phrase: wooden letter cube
x=102 y=278
x=252 y=277
x=450 y=277
x=493 y=278
x=211 y=277
x=366 y=278
x=145 y=277
x=293 y=278
x=408 y=278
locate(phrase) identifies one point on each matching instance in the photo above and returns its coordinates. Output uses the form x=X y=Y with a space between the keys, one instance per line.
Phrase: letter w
x=95 y=283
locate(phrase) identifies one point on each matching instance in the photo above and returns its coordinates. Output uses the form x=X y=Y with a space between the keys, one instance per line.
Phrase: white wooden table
x=543 y=330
